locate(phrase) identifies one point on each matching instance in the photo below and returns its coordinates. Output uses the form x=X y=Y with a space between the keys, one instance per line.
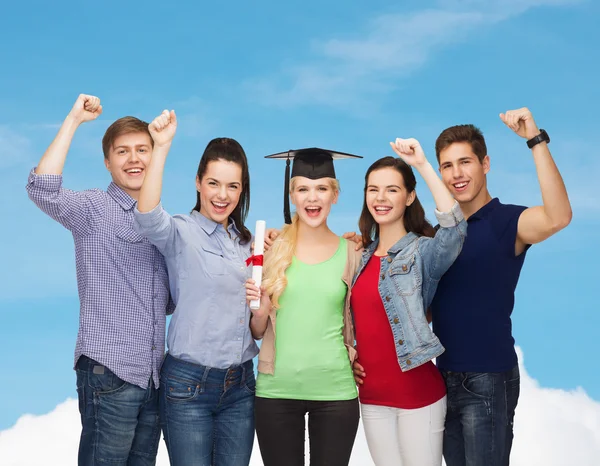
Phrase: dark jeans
x=120 y=421
x=207 y=414
x=479 y=420
x=332 y=427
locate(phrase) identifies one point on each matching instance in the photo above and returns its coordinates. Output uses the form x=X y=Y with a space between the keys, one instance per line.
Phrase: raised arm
x=440 y=252
x=86 y=108
x=411 y=152
x=162 y=129
x=76 y=211
x=151 y=220
x=540 y=222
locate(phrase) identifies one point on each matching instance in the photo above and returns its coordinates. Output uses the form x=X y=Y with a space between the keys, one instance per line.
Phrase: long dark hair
x=414 y=215
x=229 y=150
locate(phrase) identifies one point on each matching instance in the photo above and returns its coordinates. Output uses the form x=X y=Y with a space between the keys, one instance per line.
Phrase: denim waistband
x=85 y=364
x=203 y=373
x=463 y=375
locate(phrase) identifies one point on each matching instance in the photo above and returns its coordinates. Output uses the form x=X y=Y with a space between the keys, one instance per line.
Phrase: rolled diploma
x=259 y=248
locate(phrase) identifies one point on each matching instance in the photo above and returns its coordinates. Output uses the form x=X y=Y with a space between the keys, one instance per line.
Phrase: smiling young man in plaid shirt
x=123 y=291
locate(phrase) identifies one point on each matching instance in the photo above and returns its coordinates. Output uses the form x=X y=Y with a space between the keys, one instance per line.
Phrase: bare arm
x=540 y=222
x=86 y=108
x=162 y=129
x=411 y=152
x=260 y=317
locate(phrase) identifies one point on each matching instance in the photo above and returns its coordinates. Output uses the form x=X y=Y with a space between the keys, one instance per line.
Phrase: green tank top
x=311 y=360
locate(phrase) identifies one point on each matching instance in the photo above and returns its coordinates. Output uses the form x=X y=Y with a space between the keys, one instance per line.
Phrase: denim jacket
x=408 y=280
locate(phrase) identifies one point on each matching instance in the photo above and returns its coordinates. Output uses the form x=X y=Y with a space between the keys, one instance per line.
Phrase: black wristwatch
x=542 y=137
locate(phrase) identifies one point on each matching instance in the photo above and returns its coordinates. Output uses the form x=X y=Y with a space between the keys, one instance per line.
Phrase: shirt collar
x=401 y=244
x=486 y=209
x=123 y=199
x=210 y=226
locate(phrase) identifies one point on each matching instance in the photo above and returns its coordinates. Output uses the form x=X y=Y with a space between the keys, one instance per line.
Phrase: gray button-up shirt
x=121 y=278
x=207 y=273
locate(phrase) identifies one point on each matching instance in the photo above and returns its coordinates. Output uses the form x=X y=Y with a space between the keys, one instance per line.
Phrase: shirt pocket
x=213 y=261
x=128 y=235
x=405 y=275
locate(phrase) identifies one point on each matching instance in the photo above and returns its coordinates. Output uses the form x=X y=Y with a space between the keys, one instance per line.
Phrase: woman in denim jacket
x=402 y=394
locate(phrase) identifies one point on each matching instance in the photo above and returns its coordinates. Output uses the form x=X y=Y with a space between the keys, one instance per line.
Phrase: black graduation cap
x=312 y=163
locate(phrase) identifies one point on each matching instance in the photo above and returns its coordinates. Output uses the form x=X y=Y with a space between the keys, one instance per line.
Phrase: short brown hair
x=122 y=126
x=462 y=133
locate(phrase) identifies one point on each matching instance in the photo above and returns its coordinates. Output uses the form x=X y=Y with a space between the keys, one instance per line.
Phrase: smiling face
x=386 y=196
x=127 y=160
x=313 y=198
x=463 y=173
x=220 y=189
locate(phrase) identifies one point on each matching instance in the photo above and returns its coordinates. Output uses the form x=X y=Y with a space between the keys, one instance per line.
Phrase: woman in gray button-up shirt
x=207 y=379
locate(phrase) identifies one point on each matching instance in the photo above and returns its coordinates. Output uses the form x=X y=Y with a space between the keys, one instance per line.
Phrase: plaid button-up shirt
x=121 y=277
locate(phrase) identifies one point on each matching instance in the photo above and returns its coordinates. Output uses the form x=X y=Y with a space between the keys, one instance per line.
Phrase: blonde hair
x=279 y=257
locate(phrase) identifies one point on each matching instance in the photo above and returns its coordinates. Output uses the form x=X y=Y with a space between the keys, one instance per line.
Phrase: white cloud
x=553 y=428
x=15 y=149
x=348 y=73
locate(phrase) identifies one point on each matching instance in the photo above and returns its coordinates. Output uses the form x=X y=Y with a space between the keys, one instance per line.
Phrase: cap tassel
x=286 y=194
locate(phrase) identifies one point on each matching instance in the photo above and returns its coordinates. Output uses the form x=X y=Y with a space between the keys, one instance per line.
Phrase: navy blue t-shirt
x=475 y=298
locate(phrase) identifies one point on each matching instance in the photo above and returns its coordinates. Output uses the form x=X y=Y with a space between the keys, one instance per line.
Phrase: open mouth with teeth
x=313 y=211
x=382 y=209
x=459 y=187
x=220 y=207
x=137 y=171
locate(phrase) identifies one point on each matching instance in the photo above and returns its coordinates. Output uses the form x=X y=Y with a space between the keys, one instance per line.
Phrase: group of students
x=335 y=312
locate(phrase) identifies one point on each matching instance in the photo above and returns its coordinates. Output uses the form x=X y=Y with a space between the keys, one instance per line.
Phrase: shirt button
x=153 y=347
x=389 y=259
x=387 y=298
x=382 y=276
x=400 y=342
x=396 y=320
x=242 y=302
x=408 y=362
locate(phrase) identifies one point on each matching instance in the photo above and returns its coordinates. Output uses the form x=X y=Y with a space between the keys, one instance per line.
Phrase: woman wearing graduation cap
x=307 y=349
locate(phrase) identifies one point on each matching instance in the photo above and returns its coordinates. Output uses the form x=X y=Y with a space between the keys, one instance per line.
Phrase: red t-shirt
x=385 y=384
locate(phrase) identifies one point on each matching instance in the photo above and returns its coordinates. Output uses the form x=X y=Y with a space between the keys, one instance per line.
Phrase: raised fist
x=410 y=151
x=163 y=128
x=521 y=122
x=86 y=108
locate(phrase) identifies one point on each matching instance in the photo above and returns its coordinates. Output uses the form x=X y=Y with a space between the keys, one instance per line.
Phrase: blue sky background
x=282 y=75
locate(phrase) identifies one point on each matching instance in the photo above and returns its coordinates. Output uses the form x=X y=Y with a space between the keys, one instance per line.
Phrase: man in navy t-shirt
x=475 y=298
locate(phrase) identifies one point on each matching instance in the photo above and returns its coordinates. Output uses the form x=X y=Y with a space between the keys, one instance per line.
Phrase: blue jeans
x=479 y=420
x=120 y=421
x=207 y=414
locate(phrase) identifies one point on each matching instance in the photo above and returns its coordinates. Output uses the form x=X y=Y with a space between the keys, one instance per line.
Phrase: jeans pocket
x=103 y=381
x=249 y=384
x=180 y=389
x=480 y=385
